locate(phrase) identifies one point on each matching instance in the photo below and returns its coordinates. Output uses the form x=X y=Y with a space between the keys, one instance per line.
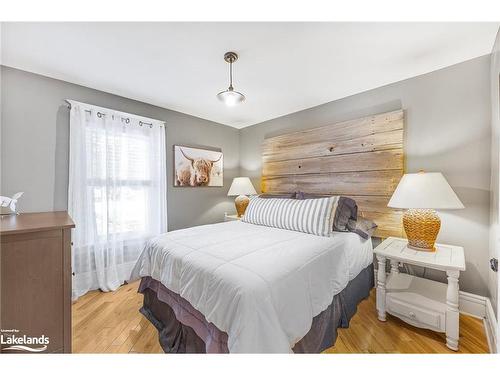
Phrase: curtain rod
x=124 y=116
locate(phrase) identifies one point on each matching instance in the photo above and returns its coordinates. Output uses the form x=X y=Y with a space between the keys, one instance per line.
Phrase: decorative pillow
x=312 y=216
x=363 y=227
x=346 y=209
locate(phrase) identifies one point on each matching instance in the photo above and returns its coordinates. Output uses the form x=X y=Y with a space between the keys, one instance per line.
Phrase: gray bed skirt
x=183 y=329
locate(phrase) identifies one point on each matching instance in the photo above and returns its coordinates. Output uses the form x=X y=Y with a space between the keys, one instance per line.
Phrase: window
x=120 y=200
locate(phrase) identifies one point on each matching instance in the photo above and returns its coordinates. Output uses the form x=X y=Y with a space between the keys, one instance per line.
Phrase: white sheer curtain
x=117 y=193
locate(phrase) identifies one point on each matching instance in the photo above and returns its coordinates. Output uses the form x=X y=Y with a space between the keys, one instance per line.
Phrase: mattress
x=359 y=254
x=262 y=286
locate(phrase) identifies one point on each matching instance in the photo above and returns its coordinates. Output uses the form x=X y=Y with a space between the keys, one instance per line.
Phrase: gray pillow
x=363 y=227
x=347 y=209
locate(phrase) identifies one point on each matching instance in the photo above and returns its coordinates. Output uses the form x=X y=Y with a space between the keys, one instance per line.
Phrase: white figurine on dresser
x=421 y=302
x=6 y=202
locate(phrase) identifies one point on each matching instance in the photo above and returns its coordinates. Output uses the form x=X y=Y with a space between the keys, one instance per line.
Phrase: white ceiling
x=283 y=67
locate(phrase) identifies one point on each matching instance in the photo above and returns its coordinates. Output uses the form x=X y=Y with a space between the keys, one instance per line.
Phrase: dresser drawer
x=415 y=314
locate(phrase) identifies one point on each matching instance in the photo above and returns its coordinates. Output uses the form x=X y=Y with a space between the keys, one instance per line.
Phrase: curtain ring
x=140 y=123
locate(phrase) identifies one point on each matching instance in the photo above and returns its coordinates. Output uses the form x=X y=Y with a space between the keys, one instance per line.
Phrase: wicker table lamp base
x=421 y=227
x=241 y=203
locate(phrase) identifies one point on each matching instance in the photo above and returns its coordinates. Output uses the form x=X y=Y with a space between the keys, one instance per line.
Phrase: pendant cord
x=231 y=75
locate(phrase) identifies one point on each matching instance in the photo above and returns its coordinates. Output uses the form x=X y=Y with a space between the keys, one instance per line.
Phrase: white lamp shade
x=424 y=190
x=241 y=186
x=230 y=97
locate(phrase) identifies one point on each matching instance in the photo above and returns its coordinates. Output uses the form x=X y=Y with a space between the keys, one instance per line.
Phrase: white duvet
x=260 y=285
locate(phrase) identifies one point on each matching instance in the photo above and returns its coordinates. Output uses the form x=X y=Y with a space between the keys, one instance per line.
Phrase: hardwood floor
x=111 y=323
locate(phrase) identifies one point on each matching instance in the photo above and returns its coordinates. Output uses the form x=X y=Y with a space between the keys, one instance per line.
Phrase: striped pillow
x=312 y=216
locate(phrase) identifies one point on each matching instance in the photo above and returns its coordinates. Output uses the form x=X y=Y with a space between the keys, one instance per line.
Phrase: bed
x=244 y=287
x=252 y=288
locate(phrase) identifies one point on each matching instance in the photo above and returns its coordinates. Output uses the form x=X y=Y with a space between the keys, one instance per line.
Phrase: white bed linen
x=360 y=254
x=260 y=285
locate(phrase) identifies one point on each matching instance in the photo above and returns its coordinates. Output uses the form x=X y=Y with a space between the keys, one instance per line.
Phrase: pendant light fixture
x=229 y=96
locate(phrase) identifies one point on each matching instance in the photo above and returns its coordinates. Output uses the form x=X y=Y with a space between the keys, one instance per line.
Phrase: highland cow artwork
x=197 y=167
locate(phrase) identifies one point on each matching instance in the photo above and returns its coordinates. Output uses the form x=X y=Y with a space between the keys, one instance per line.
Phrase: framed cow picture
x=195 y=167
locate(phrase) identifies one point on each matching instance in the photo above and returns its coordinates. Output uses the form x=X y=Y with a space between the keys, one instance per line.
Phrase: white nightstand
x=420 y=302
x=231 y=217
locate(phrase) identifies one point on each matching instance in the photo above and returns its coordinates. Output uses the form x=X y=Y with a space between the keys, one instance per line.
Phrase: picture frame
x=198 y=167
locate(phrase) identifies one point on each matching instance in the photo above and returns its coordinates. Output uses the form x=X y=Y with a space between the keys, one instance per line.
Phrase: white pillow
x=312 y=216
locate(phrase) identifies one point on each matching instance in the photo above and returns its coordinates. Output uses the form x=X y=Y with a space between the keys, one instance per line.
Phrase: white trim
x=491 y=327
x=115 y=112
x=472 y=304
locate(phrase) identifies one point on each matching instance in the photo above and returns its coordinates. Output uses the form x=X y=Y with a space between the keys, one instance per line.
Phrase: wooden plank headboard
x=360 y=158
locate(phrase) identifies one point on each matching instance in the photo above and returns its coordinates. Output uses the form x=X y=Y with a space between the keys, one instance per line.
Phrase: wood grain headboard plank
x=381 y=182
x=368 y=143
x=371 y=203
x=343 y=131
x=374 y=133
x=366 y=161
x=361 y=158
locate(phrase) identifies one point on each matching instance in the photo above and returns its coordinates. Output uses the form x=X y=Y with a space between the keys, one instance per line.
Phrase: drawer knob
x=412 y=315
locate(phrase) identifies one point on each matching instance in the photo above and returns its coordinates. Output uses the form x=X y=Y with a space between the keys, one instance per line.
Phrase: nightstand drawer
x=415 y=314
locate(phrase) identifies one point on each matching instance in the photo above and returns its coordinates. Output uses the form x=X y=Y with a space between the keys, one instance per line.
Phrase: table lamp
x=421 y=193
x=241 y=187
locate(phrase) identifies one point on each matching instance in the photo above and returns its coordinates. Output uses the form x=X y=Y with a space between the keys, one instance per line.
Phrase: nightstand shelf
x=417 y=301
x=421 y=302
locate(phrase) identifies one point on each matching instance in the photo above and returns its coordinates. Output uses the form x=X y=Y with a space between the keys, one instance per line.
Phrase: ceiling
x=283 y=67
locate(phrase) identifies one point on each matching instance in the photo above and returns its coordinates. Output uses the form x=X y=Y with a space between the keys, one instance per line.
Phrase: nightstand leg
x=394 y=267
x=452 y=314
x=381 y=288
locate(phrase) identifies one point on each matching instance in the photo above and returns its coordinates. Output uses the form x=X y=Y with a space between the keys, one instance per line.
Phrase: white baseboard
x=472 y=304
x=491 y=327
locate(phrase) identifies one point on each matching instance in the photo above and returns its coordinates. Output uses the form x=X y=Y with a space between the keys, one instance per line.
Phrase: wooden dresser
x=35 y=257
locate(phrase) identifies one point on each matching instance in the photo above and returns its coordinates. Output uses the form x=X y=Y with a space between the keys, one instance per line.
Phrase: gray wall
x=495 y=155
x=34 y=146
x=447 y=130
x=448 y=117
